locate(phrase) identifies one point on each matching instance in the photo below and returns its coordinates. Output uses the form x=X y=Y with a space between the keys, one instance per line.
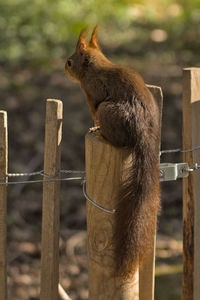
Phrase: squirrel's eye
x=69 y=62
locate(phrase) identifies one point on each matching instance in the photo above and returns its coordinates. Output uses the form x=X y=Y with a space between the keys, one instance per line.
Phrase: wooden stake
x=191 y=186
x=51 y=200
x=3 y=204
x=147 y=272
x=104 y=164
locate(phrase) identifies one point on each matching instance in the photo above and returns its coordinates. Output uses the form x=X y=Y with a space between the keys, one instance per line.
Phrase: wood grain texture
x=104 y=166
x=3 y=204
x=51 y=202
x=147 y=271
x=191 y=186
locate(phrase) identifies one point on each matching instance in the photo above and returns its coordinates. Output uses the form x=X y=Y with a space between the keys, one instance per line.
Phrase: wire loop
x=110 y=211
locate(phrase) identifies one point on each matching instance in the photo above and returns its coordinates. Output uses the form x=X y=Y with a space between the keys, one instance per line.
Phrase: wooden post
x=51 y=200
x=104 y=164
x=147 y=272
x=3 y=204
x=191 y=185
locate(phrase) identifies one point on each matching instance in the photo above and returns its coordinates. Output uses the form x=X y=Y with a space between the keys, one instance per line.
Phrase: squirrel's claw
x=94 y=129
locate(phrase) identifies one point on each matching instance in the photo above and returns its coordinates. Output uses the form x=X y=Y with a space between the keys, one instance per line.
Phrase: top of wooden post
x=3 y=118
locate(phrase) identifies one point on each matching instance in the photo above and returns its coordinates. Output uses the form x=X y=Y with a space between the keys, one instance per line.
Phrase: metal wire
x=179 y=150
x=82 y=177
x=40 y=180
x=110 y=211
x=52 y=179
x=24 y=174
x=41 y=173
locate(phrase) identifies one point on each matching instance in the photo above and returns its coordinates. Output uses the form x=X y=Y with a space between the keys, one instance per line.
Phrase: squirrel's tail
x=138 y=208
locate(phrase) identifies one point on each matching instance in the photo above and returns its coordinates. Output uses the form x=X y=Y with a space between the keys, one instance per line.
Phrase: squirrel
x=126 y=114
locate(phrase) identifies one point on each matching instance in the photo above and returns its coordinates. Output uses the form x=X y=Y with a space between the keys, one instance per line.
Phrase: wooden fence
x=103 y=167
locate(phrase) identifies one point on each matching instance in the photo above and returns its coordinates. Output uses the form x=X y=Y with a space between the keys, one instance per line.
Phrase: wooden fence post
x=104 y=164
x=51 y=202
x=191 y=185
x=147 y=272
x=3 y=204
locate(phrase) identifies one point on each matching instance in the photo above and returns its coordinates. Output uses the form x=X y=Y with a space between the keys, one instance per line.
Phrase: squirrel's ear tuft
x=94 y=39
x=82 y=43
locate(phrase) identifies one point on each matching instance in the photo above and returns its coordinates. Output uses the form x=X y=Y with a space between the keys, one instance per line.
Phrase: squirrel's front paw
x=94 y=129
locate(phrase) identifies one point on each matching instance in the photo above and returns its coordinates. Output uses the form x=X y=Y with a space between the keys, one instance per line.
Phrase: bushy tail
x=137 y=210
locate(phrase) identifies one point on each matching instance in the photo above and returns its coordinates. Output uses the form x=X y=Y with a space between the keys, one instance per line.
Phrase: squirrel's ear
x=94 y=39
x=82 y=43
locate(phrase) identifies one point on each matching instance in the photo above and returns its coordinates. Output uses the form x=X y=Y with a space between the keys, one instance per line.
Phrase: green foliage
x=41 y=31
x=38 y=29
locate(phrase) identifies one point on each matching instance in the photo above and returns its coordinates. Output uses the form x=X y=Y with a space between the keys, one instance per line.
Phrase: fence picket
x=191 y=187
x=51 y=200
x=147 y=272
x=3 y=204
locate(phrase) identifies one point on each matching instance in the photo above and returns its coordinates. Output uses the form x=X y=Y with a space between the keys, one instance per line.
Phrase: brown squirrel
x=126 y=114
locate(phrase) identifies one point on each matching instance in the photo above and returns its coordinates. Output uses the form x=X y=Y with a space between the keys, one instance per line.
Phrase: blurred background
x=156 y=38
